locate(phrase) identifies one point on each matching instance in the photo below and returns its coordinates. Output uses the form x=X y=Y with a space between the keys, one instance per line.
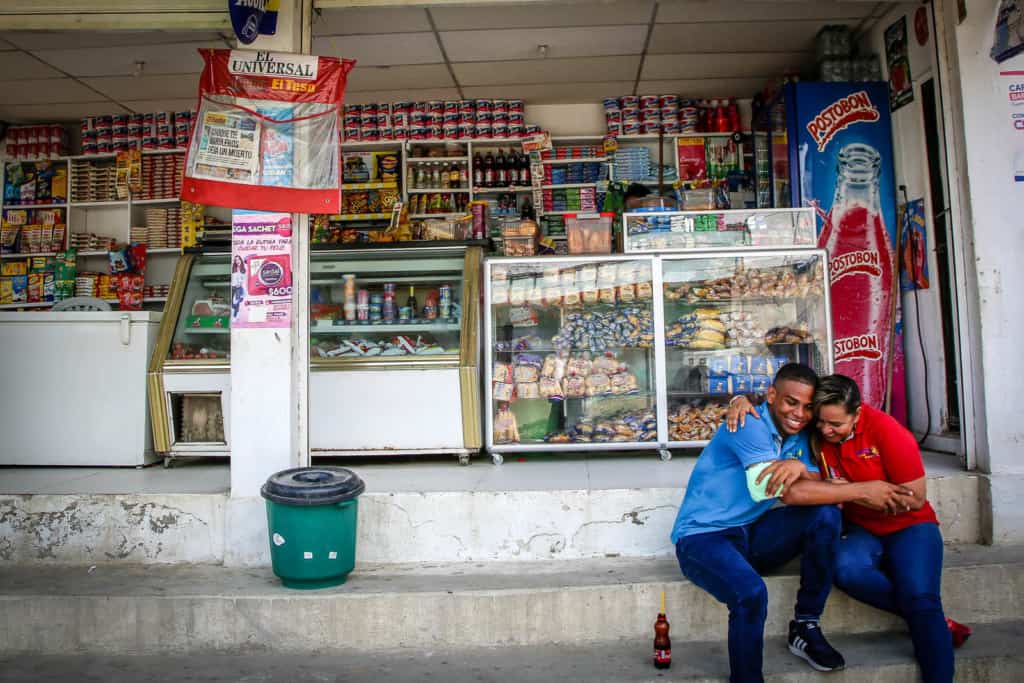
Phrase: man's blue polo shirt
x=717 y=496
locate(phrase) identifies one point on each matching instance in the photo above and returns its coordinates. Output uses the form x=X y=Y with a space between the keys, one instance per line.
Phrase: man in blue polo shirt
x=729 y=528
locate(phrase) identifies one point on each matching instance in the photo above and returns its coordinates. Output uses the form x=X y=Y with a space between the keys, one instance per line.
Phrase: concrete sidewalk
x=995 y=654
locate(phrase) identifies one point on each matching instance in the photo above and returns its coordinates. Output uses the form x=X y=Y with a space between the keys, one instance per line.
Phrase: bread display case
x=627 y=353
x=649 y=232
x=189 y=379
x=394 y=357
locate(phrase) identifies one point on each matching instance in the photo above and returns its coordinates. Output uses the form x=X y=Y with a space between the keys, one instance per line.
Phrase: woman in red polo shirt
x=890 y=559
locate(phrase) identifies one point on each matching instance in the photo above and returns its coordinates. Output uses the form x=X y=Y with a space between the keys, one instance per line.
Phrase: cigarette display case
x=650 y=232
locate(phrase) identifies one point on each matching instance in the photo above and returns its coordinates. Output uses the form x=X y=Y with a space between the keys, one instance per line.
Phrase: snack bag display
x=267 y=131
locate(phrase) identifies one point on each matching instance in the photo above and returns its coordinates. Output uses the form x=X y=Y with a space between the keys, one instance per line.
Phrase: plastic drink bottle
x=861 y=271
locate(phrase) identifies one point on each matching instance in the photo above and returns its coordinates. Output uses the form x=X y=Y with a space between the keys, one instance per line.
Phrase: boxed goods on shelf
x=35 y=182
x=38 y=141
x=589 y=234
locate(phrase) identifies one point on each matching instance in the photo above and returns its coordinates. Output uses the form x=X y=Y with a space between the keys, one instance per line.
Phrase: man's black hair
x=837 y=390
x=796 y=372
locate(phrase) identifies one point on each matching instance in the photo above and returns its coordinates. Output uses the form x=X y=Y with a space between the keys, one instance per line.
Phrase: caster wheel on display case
x=665 y=454
x=464 y=459
x=168 y=462
x=497 y=459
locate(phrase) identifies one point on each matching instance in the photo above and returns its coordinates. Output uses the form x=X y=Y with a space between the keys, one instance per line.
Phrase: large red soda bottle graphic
x=861 y=270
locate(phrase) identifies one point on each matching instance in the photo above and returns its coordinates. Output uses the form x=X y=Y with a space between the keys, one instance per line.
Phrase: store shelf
x=149 y=252
x=40 y=304
x=456 y=214
x=566 y=186
x=363 y=328
x=36 y=253
x=673 y=136
x=424 y=160
x=355 y=145
x=361 y=217
x=441 y=190
x=574 y=349
x=352 y=187
x=120 y=202
x=113 y=155
x=595 y=397
x=63 y=205
x=162 y=200
x=501 y=190
x=589 y=160
x=207 y=330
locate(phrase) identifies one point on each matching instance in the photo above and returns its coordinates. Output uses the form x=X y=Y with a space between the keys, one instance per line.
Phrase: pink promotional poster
x=261 y=270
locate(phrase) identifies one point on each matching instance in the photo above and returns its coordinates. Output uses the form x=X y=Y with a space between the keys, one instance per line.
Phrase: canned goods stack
x=123 y=132
x=669 y=115
x=29 y=143
x=435 y=120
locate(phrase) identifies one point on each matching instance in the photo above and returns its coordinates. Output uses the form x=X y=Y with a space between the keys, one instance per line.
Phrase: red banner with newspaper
x=267 y=132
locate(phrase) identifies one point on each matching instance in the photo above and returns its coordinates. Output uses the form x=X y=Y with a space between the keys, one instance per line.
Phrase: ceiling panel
x=397 y=77
x=34 y=113
x=668 y=67
x=787 y=36
x=160 y=104
x=45 y=40
x=730 y=10
x=409 y=95
x=553 y=93
x=352 y=21
x=46 y=91
x=579 y=69
x=541 y=16
x=120 y=61
x=4 y=45
x=16 y=66
x=479 y=46
x=157 y=87
x=381 y=50
x=714 y=87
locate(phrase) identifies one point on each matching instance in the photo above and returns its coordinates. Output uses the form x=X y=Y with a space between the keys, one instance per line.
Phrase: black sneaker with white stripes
x=808 y=642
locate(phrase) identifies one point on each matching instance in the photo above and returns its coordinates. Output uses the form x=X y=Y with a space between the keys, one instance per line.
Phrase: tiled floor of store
x=562 y=472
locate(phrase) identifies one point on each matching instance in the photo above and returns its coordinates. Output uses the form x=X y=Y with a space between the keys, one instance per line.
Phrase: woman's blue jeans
x=902 y=573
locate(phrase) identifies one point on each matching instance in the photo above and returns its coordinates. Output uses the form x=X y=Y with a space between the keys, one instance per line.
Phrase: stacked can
x=384 y=129
x=89 y=142
x=435 y=128
x=484 y=119
x=182 y=127
x=149 y=138
x=501 y=120
x=689 y=116
x=389 y=310
x=368 y=131
x=104 y=135
x=466 y=125
x=669 y=114
x=400 y=118
x=516 y=118
x=119 y=132
x=650 y=115
x=352 y=121
x=631 y=115
x=613 y=115
x=165 y=130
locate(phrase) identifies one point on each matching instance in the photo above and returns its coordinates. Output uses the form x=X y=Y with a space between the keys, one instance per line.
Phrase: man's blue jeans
x=902 y=573
x=727 y=564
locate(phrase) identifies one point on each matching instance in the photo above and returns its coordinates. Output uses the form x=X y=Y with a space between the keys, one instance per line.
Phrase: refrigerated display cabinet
x=643 y=352
x=390 y=376
x=649 y=232
x=189 y=379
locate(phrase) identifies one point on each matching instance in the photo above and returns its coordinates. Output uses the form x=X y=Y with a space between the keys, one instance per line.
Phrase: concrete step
x=542 y=509
x=993 y=655
x=119 y=609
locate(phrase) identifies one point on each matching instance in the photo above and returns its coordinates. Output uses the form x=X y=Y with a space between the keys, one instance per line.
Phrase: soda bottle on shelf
x=411 y=303
x=463 y=176
x=500 y=170
x=861 y=271
x=453 y=175
x=662 y=643
x=446 y=178
x=478 y=170
x=489 y=178
x=524 y=170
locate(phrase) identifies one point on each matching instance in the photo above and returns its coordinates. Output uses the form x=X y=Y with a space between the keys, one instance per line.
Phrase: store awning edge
x=113 y=15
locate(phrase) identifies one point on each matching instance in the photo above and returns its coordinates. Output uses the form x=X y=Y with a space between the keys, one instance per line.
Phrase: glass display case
x=394 y=351
x=570 y=354
x=189 y=379
x=638 y=352
x=730 y=322
x=730 y=229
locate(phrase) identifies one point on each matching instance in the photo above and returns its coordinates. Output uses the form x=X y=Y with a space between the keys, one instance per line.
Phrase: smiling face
x=835 y=424
x=789 y=403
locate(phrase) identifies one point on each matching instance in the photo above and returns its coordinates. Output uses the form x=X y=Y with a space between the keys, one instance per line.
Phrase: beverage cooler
x=829 y=145
x=394 y=358
x=189 y=379
x=643 y=351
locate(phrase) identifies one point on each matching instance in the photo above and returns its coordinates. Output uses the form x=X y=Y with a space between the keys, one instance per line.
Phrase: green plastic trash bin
x=311 y=521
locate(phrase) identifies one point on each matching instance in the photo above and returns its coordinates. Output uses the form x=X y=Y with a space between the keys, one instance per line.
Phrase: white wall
x=995 y=207
x=911 y=161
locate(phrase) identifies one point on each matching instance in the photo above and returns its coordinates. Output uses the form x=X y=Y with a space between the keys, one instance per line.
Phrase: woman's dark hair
x=837 y=390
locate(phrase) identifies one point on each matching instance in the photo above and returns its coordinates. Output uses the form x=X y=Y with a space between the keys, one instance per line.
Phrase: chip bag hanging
x=266 y=135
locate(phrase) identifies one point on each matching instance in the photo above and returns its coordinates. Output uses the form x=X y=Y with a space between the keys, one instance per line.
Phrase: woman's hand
x=881 y=495
x=736 y=415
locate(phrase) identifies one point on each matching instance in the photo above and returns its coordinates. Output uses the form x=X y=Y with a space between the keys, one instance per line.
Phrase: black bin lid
x=312 y=486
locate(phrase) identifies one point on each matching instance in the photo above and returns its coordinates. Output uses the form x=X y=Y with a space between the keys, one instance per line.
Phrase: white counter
x=73 y=388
